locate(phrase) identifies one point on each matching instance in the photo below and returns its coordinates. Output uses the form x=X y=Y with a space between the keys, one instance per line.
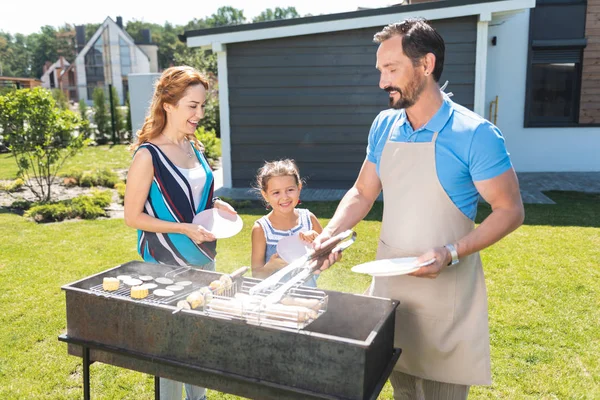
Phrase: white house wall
x=531 y=149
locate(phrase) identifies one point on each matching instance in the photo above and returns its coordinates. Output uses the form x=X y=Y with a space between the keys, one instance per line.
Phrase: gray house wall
x=313 y=98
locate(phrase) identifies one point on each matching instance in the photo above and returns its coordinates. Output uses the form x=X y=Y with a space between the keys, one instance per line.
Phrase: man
x=432 y=158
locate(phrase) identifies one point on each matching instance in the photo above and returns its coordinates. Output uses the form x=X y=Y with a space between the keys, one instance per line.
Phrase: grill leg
x=156 y=388
x=86 y=373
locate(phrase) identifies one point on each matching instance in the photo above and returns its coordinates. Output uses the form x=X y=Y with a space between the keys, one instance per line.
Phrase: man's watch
x=453 y=253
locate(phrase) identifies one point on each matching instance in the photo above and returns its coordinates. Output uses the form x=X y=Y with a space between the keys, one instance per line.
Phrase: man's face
x=403 y=81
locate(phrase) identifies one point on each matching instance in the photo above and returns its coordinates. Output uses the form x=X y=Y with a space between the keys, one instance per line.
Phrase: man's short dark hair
x=418 y=39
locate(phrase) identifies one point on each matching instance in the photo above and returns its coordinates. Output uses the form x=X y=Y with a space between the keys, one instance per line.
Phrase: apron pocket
x=431 y=298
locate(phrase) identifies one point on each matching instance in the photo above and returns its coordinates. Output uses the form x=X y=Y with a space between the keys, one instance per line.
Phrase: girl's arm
x=139 y=180
x=259 y=246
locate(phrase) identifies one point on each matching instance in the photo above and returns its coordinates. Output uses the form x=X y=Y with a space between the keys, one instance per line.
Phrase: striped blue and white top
x=171 y=198
x=273 y=235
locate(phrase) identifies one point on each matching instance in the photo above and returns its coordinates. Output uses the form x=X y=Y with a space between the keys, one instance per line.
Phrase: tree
x=118 y=116
x=226 y=16
x=60 y=98
x=85 y=127
x=278 y=13
x=14 y=55
x=101 y=117
x=42 y=136
x=128 y=118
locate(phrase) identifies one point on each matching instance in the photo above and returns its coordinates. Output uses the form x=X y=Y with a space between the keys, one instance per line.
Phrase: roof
x=350 y=20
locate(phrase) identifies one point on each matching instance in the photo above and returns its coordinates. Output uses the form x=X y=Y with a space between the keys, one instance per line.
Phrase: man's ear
x=429 y=63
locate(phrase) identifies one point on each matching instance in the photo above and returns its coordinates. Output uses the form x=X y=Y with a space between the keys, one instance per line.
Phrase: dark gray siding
x=313 y=98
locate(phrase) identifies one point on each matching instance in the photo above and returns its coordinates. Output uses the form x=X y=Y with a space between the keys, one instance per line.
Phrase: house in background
x=108 y=57
x=60 y=75
x=307 y=88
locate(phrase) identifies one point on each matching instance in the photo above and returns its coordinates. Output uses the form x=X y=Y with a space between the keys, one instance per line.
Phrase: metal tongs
x=300 y=269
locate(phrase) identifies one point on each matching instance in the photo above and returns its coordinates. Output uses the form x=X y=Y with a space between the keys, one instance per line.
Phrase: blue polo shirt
x=468 y=148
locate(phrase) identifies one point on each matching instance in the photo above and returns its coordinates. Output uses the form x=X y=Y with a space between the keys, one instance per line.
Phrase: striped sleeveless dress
x=171 y=199
x=273 y=236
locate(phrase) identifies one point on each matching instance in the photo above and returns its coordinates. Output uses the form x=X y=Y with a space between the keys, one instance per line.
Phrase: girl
x=169 y=182
x=280 y=185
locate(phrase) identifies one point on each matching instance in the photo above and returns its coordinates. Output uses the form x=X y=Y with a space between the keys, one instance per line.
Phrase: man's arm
x=353 y=208
x=503 y=195
x=357 y=201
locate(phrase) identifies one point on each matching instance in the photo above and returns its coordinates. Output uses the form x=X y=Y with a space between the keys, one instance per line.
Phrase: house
x=106 y=59
x=60 y=75
x=307 y=88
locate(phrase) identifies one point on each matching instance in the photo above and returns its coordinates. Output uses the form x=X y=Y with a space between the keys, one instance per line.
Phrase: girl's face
x=282 y=193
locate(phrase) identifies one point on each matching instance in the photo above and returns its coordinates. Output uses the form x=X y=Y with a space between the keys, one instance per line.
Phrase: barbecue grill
x=342 y=351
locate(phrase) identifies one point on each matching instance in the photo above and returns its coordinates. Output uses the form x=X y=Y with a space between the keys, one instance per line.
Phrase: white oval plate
x=291 y=248
x=163 y=293
x=220 y=223
x=164 y=281
x=390 y=267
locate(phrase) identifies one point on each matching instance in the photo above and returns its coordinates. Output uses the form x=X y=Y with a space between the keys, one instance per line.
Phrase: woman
x=169 y=182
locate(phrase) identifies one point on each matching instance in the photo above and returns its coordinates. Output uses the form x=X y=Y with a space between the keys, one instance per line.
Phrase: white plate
x=183 y=283
x=163 y=293
x=132 y=282
x=391 y=267
x=150 y=286
x=146 y=278
x=220 y=223
x=174 y=288
x=164 y=281
x=291 y=248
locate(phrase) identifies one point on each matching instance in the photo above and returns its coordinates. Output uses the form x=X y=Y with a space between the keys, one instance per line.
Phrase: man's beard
x=409 y=96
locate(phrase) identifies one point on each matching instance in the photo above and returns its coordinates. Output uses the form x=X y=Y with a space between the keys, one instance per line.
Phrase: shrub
x=21 y=205
x=211 y=143
x=41 y=136
x=101 y=116
x=13 y=186
x=237 y=204
x=121 y=190
x=98 y=177
x=84 y=206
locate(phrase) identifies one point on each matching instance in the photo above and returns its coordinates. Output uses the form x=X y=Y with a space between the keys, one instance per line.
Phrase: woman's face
x=282 y=193
x=184 y=116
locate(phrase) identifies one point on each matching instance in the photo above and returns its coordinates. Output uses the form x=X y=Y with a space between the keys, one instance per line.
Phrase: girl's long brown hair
x=169 y=89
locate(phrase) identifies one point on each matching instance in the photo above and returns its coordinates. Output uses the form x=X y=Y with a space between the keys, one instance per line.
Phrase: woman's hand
x=197 y=233
x=308 y=236
x=222 y=205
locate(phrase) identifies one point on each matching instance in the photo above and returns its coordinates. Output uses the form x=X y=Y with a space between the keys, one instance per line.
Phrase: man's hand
x=326 y=261
x=442 y=258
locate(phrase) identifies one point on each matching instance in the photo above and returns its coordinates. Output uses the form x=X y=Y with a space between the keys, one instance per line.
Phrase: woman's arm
x=139 y=180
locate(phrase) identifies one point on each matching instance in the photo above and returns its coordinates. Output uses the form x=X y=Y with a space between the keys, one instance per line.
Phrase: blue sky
x=13 y=19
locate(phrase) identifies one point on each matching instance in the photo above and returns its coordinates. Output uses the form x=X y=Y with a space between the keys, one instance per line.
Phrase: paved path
x=532 y=184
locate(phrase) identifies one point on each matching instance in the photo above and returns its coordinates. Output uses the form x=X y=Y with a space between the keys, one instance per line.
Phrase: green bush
x=13 y=186
x=105 y=177
x=237 y=204
x=121 y=191
x=21 y=205
x=84 y=206
x=50 y=212
x=211 y=143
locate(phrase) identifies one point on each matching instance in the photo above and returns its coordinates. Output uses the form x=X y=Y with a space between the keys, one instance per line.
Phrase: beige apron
x=442 y=323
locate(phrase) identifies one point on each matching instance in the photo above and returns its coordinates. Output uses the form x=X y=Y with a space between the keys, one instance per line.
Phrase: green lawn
x=543 y=285
x=115 y=157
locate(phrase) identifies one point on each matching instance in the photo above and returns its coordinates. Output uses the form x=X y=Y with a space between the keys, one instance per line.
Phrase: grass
x=115 y=157
x=543 y=285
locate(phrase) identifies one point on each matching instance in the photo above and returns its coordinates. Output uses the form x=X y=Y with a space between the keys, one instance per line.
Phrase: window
x=555 y=82
x=125 y=57
x=557 y=40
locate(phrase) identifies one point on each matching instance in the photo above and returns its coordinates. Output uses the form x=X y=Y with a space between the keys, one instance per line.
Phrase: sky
x=14 y=19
